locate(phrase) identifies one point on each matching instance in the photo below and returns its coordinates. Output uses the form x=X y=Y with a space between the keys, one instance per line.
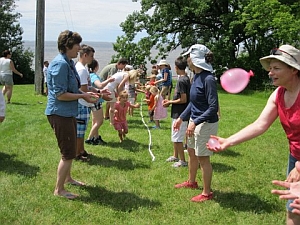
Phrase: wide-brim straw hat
x=285 y=53
x=163 y=62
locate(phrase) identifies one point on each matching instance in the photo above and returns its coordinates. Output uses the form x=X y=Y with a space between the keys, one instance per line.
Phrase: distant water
x=103 y=54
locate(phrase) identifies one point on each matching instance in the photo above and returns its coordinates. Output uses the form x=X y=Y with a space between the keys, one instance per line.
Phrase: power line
x=62 y=6
x=70 y=15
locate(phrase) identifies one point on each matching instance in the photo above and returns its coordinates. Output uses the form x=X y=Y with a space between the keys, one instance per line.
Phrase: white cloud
x=94 y=20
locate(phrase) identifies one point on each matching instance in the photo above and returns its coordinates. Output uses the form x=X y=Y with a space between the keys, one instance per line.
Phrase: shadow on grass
x=121 y=164
x=19 y=103
x=220 y=167
x=119 y=201
x=229 y=153
x=128 y=144
x=238 y=201
x=11 y=166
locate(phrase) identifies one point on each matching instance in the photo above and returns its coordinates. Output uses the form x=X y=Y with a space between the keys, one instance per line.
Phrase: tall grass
x=124 y=186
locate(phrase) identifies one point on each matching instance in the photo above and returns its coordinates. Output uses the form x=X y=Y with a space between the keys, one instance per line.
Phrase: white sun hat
x=197 y=54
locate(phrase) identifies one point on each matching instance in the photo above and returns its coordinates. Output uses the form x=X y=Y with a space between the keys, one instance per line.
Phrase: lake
x=103 y=52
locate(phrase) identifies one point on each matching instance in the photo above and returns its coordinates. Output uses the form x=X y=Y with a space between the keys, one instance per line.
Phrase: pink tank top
x=290 y=121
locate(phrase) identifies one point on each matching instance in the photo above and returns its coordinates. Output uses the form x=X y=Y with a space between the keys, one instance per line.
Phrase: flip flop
x=67 y=195
x=76 y=183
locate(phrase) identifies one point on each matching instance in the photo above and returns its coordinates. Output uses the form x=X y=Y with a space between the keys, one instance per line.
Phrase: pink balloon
x=213 y=143
x=235 y=80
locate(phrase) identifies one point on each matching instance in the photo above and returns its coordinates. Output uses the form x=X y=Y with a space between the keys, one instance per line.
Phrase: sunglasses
x=70 y=34
x=277 y=51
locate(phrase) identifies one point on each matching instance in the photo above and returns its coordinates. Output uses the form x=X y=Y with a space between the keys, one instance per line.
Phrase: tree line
x=11 y=39
x=239 y=32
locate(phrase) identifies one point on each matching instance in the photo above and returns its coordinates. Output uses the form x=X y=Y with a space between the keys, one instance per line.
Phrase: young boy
x=179 y=103
x=121 y=108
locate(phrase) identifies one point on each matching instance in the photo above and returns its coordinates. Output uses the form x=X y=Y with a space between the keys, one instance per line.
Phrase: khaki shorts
x=201 y=135
x=179 y=136
x=6 y=79
x=165 y=90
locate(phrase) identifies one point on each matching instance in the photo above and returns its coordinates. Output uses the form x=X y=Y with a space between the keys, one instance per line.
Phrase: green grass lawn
x=124 y=186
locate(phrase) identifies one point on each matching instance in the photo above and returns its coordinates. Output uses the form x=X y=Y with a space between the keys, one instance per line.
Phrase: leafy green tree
x=239 y=32
x=11 y=38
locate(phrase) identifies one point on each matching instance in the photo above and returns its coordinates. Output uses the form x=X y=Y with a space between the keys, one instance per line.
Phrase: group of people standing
x=74 y=91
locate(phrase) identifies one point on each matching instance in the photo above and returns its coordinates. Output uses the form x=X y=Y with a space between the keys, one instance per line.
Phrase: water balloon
x=235 y=80
x=213 y=143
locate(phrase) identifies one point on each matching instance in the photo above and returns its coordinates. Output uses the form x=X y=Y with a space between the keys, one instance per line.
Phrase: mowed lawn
x=124 y=185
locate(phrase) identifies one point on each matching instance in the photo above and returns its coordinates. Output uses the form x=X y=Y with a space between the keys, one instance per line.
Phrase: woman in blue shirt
x=63 y=94
x=203 y=119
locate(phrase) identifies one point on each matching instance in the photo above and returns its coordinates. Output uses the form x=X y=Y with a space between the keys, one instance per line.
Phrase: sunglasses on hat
x=277 y=51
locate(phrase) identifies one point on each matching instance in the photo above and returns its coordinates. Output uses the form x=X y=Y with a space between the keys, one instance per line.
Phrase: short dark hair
x=67 y=39
x=5 y=53
x=86 y=49
x=181 y=63
x=122 y=61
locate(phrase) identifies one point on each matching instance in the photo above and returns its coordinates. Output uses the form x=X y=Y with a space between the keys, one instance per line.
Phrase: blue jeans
x=290 y=167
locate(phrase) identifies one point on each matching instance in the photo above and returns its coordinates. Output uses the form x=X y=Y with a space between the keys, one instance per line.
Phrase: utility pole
x=39 y=46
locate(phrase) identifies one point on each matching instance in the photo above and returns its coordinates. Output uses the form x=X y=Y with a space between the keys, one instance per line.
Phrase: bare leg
x=7 y=89
x=63 y=171
x=120 y=135
x=193 y=165
x=107 y=110
x=111 y=112
x=97 y=121
x=206 y=169
x=80 y=146
x=292 y=218
x=179 y=151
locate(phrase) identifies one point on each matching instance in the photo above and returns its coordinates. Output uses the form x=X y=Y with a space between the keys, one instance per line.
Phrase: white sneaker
x=180 y=163
x=172 y=159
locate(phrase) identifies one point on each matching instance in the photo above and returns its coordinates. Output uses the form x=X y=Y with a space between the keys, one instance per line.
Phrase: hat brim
x=265 y=61
x=188 y=52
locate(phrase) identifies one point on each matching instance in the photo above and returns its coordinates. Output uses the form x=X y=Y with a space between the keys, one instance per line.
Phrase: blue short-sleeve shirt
x=62 y=77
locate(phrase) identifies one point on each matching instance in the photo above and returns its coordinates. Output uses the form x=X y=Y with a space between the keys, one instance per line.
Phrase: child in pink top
x=121 y=108
x=160 y=112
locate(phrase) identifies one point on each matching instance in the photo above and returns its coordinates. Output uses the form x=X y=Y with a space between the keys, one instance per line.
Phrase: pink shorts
x=121 y=125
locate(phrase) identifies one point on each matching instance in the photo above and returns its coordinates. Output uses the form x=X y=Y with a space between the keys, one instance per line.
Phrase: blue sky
x=94 y=20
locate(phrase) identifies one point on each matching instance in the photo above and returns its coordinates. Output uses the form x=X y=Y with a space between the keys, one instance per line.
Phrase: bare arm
x=258 y=127
x=121 y=85
x=104 y=83
x=12 y=67
x=181 y=100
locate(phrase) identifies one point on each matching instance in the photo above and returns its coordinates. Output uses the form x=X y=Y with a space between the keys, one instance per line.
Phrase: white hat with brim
x=163 y=62
x=286 y=54
x=197 y=54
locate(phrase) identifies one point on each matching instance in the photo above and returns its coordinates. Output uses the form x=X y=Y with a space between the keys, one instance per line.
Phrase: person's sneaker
x=172 y=159
x=89 y=141
x=180 y=163
x=155 y=127
x=82 y=158
x=99 y=141
x=202 y=197
x=187 y=184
